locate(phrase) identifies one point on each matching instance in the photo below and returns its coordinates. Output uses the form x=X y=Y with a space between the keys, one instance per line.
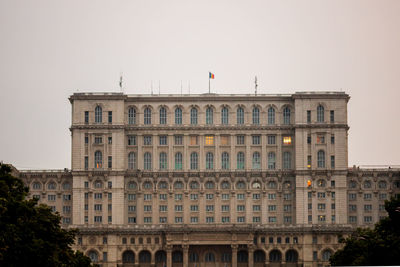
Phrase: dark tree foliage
x=378 y=246
x=30 y=234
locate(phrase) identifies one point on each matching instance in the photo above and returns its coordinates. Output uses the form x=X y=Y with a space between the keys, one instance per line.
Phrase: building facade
x=212 y=180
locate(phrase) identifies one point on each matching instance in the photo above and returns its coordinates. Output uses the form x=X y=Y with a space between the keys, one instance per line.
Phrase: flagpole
x=209 y=78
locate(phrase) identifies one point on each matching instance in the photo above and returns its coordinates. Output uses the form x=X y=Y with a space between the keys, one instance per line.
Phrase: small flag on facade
x=211 y=75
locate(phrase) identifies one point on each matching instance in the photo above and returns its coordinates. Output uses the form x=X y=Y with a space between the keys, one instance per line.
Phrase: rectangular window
x=109 y=162
x=209 y=196
x=194 y=140
x=163 y=196
x=178 y=139
x=271 y=196
x=367 y=196
x=109 y=140
x=178 y=196
x=287 y=140
x=309 y=194
x=256 y=196
x=86 y=195
x=131 y=208
x=66 y=209
x=352 y=196
x=131 y=219
x=240 y=207
x=98 y=219
x=256 y=219
x=147 y=140
x=256 y=139
x=131 y=140
x=309 y=218
x=147 y=208
x=287 y=196
x=315 y=255
x=147 y=197
x=66 y=220
x=321 y=218
x=105 y=258
x=287 y=208
x=256 y=208
x=225 y=208
x=209 y=140
x=332 y=115
x=367 y=208
x=194 y=208
x=178 y=208
x=310 y=206
x=382 y=196
x=210 y=208
x=109 y=196
x=240 y=219
x=332 y=139
x=381 y=207
x=98 y=140
x=225 y=219
x=224 y=140
x=333 y=206
x=225 y=196
x=67 y=197
x=86 y=117
x=240 y=196
x=36 y=197
x=332 y=162
x=51 y=197
x=194 y=196
x=163 y=208
x=321 y=206
x=147 y=219
x=240 y=139
x=163 y=219
x=178 y=219
x=287 y=219
x=98 y=207
x=194 y=219
x=271 y=139
x=321 y=195
x=368 y=219
x=272 y=219
x=308 y=116
x=110 y=117
x=163 y=140
x=309 y=161
x=86 y=139
x=271 y=207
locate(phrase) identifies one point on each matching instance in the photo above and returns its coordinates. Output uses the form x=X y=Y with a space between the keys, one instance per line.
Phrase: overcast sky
x=51 y=49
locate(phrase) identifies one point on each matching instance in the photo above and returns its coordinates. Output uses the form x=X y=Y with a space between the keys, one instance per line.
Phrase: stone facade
x=212 y=180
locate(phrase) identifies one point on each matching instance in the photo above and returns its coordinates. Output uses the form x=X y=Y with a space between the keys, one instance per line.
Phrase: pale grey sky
x=51 y=49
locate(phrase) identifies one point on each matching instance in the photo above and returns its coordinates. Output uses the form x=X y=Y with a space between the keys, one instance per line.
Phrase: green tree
x=378 y=246
x=31 y=234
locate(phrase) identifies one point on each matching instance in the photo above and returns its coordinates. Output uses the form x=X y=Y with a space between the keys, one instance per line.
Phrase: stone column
x=234 y=255
x=185 y=255
x=251 y=254
x=169 y=257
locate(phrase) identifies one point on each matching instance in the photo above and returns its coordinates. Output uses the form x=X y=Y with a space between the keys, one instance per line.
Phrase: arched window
x=242 y=256
x=272 y=185
x=178 y=161
x=194 y=185
x=163 y=115
x=241 y=185
x=367 y=184
x=194 y=161
x=98 y=114
x=161 y=256
x=256 y=163
x=275 y=256
x=321 y=159
x=287 y=185
x=352 y=184
x=147 y=185
x=98 y=185
x=51 y=186
x=224 y=115
x=320 y=114
x=259 y=256
x=131 y=161
x=209 y=116
x=193 y=116
x=225 y=161
x=256 y=185
x=132 y=185
x=321 y=183
x=287 y=160
x=240 y=115
x=147 y=115
x=209 y=185
x=163 y=161
x=209 y=161
x=291 y=256
x=225 y=185
x=131 y=116
x=66 y=186
x=326 y=255
x=256 y=115
x=128 y=257
x=271 y=161
x=178 y=185
x=36 y=186
x=162 y=185
x=144 y=256
x=178 y=116
x=240 y=161
x=177 y=256
x=210 y=257
x=382 y=184
x=286 y=115
x=147 y=161
x=193 y=257
x=94 y=257
x=271 y=115
x=98 y=160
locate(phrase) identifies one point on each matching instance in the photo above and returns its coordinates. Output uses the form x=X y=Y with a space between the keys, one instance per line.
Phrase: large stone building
x=212 y=180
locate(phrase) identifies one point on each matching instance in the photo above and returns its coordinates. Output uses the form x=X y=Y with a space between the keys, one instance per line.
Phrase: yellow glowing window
x=224 y=140
x=309 y=183
x=209 y=139
x=193 y=140
x=287 y=140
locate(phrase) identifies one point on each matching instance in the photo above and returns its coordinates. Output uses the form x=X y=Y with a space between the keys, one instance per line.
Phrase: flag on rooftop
x=211 y=76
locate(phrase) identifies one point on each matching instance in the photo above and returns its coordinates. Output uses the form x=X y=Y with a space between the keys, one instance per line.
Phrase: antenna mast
x=255 y=86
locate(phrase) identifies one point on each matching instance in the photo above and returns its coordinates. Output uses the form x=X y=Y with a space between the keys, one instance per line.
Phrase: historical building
x=212 y=180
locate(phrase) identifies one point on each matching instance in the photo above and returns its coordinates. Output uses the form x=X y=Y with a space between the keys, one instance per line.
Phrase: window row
x=51 y=185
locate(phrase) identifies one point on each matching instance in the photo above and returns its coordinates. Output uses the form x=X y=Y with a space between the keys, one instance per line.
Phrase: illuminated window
x=224 y=140
x=287 y=140
x=193 y=140
x=209 y=140
x=309 y=161
x=98 y=160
